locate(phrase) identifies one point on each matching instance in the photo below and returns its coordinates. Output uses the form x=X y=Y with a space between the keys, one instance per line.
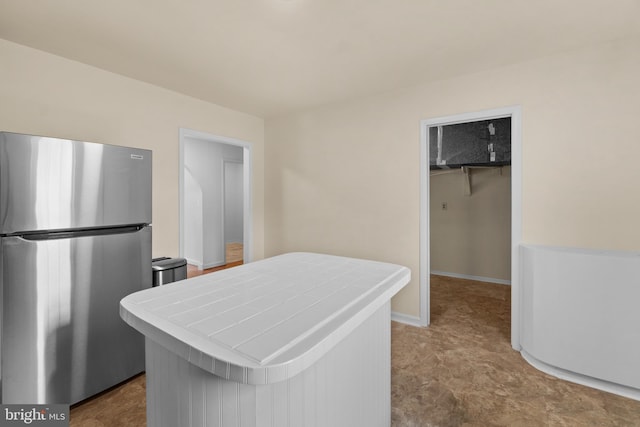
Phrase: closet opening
x=471 y=209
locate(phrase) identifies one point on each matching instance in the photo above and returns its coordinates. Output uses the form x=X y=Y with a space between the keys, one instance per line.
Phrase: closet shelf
x=466 y=174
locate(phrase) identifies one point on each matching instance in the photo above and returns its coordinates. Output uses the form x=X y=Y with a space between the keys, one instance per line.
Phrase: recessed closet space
x=471 y=234
x=470 y=210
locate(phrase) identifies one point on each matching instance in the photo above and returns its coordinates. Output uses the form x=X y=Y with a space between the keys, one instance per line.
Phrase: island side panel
x=349 y=386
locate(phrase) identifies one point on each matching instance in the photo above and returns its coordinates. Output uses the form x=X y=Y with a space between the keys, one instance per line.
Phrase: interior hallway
x=460 y=371
x=234 y=256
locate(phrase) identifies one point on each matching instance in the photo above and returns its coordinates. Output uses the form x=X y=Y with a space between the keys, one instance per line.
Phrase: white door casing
x=516 y=207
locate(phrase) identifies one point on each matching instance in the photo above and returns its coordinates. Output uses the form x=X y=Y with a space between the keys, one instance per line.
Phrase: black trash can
x=167 y=270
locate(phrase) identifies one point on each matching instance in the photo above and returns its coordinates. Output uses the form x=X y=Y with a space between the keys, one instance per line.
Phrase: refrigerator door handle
x=68 y=234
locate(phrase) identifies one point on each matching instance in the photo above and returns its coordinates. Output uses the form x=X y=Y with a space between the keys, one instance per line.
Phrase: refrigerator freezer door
x=62 y=336
x=49 y=184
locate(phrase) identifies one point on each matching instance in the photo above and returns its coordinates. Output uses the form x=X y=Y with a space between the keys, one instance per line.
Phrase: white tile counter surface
x=268 y=320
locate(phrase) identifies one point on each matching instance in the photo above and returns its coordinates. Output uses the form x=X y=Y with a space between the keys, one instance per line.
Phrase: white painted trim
x=247 y=154
x=217 y=263
x=247 y=234
x=470 y=277
x=222 y=247
x=516 y=224
x=194 y=262
x=515 y=112
x=425 y=259
x=406 y=319
x=181 y=195
x=201 y=266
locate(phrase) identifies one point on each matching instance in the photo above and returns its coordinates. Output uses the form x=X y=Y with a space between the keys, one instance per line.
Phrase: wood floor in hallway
x=460 y=371
x=234 y=257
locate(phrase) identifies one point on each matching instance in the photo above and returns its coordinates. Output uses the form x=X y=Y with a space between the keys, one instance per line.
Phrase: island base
x=348 y=386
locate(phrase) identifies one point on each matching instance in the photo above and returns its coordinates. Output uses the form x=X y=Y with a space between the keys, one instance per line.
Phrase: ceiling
x=272 y=57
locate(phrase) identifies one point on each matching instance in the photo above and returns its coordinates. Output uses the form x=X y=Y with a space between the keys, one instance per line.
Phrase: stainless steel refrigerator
x=75 y=239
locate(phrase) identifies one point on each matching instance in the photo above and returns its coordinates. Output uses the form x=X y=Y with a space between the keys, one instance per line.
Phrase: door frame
x=247 y=158
x=225 y=163
x=515 y=112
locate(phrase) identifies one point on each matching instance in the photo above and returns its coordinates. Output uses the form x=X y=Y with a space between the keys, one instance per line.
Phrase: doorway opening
x=447 y=168
x=215 y=201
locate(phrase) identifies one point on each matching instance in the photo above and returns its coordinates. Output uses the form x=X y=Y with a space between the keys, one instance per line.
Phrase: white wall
x=233 y=202
x=48 y=95
x=344 y=178
x=194 y=221
x=205 y=161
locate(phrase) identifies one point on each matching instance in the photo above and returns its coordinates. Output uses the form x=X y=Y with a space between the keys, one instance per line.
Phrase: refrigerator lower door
x=62 y=337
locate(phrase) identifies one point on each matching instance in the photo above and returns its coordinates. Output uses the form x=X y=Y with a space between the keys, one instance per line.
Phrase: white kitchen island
x=300 y=339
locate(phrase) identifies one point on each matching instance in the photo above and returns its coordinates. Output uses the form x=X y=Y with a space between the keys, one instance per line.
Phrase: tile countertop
x=268 y=320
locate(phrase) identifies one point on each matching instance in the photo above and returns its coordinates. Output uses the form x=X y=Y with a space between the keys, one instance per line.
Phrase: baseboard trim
x=470 y=277
x=194 y=262
x=213 y=264
x=406 y=319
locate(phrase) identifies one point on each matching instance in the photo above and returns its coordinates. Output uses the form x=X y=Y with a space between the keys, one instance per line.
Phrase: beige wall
x=344 y=178
x=48 y=95
x=473 y=235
